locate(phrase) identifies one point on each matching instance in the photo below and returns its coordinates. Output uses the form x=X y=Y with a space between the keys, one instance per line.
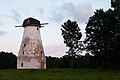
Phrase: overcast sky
x=55 y=12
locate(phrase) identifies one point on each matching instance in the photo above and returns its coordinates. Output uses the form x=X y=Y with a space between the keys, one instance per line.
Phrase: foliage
x=72 y=35
x=52 y=62
x=7 y=60
x=64 y=61
x=103 y=37
x=115 y=4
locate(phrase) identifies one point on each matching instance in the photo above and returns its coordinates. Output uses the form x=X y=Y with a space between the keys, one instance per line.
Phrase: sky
x=54 y=12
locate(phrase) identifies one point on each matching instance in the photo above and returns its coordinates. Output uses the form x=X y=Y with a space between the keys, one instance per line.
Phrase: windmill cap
x=31 y=22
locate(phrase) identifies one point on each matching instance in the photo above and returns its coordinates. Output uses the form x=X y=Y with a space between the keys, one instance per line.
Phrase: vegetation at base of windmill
x=60 y=74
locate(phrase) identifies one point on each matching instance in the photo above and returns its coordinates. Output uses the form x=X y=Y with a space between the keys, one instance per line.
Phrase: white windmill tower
x=31 y=54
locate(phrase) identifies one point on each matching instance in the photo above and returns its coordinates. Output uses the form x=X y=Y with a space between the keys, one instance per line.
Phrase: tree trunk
x=71 y=61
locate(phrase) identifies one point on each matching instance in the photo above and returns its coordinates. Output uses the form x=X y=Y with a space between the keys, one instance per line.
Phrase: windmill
x=31 y=54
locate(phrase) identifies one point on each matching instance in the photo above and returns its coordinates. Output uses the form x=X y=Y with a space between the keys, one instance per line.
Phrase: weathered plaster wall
x=31 y=53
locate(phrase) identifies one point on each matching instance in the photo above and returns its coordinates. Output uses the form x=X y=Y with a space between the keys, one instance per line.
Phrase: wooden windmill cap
x=31 y=22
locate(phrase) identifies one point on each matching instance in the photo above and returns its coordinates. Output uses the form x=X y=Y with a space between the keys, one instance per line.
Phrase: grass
x=60 y=74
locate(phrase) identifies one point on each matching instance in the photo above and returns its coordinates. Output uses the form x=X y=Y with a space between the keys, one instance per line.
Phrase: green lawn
x=60 y=74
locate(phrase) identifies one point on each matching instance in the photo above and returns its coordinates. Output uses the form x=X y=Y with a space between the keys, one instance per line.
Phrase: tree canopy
x=72 y=35
x=103 y=35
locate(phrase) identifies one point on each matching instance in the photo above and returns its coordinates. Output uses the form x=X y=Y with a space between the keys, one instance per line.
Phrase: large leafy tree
x=115 y=4
x=103 y=35
x=72 y=35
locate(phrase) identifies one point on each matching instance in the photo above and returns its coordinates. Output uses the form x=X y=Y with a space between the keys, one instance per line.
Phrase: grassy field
x=60 y=74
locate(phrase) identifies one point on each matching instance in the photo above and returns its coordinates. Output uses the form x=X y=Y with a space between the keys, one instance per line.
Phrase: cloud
x=13 y=16
x=16 y=16
x=57 y=50
x=79 y=12
x=57 y=17
x=2 y=33
x=41 y=11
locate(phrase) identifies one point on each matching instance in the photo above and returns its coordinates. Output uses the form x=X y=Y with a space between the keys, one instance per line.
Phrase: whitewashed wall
x=31 y=52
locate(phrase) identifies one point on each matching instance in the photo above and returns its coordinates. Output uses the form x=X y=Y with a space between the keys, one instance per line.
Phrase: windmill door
x=42 y=65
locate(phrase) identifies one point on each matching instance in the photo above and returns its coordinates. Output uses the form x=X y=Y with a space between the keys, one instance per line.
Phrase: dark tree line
x=7 y=60
x=64 y=62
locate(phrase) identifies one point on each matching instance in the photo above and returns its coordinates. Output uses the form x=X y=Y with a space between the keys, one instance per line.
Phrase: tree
x=72 y=35
x=115 y=4
x=52 y=62
x=103 y=36
x=7 y=60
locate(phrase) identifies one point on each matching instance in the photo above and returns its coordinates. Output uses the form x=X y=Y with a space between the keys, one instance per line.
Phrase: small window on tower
x=42 y=54
x=37 y=28
x=24 y=45
x=21 y=64
x=23 y=52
